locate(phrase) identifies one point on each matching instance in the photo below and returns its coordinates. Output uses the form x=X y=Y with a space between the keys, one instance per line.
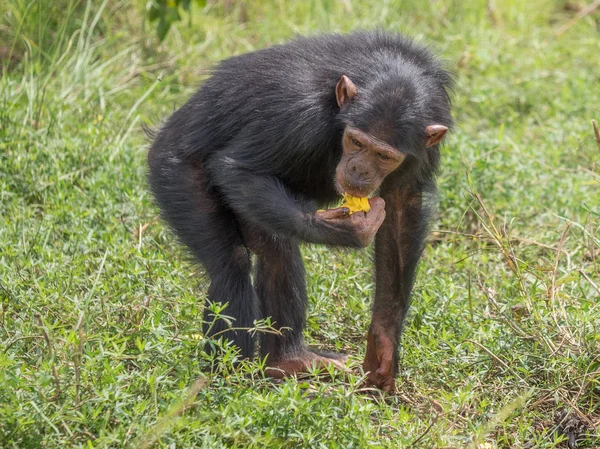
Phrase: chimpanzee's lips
x=360 y=190
x=356 y=193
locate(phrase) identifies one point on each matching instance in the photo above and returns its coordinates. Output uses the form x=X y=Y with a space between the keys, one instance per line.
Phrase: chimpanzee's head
x=384 y=124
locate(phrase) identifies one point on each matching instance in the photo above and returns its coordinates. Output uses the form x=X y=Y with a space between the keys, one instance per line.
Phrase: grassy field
x=100 y=309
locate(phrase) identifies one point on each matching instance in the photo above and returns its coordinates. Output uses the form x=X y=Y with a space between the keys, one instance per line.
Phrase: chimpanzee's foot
x=304 y=362
x=379 y=360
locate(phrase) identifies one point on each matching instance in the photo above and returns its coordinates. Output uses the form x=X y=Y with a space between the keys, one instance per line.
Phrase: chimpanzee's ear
x=434 y=134
x=345 y=91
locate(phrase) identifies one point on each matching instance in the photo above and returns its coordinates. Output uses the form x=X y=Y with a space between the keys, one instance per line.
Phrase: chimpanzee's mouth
x=358 y=189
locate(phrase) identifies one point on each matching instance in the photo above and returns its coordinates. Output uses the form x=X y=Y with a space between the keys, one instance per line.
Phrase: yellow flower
x=356 y=204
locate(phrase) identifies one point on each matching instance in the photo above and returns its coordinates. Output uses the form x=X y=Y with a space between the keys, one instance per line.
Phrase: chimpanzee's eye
x=356 y=143
x=383 y=157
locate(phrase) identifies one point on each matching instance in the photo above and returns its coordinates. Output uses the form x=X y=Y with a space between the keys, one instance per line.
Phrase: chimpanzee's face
x=365 y=162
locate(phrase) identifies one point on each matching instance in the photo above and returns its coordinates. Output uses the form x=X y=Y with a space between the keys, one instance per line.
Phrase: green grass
x=100 y=309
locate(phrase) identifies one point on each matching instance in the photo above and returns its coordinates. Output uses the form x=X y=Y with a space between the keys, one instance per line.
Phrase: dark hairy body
x=276 y=134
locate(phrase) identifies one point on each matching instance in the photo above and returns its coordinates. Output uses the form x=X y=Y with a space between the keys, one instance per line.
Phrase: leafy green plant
x=167 y=12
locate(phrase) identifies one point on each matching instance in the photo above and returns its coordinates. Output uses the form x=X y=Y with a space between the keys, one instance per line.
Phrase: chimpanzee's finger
x=380 y=219
x=333 y=214
x=377 y=203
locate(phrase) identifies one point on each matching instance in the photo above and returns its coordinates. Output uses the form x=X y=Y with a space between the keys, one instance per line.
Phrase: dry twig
x=580 y=15
x=596 y=133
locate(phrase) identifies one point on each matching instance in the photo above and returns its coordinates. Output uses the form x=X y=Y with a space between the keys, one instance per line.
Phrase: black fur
x=244 y=164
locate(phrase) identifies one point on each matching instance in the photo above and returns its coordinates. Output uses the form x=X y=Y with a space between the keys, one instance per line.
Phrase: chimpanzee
x=273 y=135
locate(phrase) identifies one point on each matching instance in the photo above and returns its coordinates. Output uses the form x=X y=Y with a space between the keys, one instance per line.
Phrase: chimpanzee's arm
x=265 y=201
x=398 y=247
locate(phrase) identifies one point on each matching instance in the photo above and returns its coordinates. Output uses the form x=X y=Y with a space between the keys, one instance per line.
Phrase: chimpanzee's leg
x=399 y=245
x=210 y=231
x=281 y=289
x=280 y=286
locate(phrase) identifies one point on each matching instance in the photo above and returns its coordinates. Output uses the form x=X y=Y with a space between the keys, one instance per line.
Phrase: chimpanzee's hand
x=364 y=225
x=379 y=360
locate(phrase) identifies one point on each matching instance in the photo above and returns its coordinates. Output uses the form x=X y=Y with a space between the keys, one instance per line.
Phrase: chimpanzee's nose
x=360 y=171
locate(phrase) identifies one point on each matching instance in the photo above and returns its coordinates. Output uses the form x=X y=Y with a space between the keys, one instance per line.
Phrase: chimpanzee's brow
x=357 y=133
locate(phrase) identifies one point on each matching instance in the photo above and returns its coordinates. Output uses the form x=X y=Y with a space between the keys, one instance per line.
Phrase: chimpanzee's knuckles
x=377 y=203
